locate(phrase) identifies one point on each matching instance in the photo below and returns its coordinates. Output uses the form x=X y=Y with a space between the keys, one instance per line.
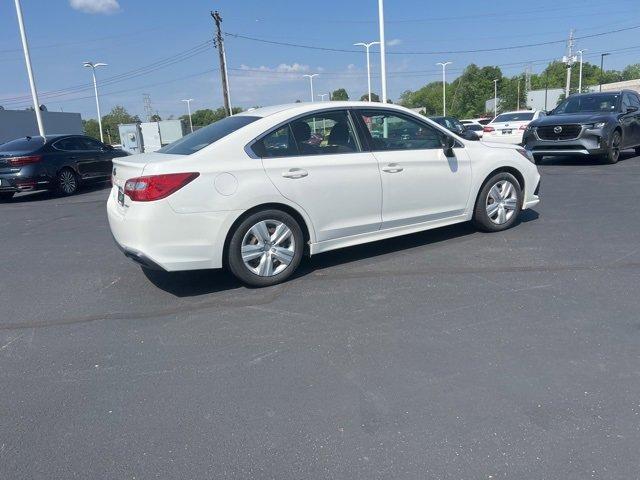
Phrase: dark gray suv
x=599 y=124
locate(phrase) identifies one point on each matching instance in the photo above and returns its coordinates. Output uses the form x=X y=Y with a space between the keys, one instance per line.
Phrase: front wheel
x=266 y=248
x=498 y=204
x=613 y=154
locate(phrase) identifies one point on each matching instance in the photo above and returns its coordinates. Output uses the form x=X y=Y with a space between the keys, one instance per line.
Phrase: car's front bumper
x=589 y=142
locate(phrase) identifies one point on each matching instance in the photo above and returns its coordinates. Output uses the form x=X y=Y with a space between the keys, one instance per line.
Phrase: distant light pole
x=383 y=60
x=602 y=55
x=310 y=77
x=93 y=67
x=367 y=46
x=322 y=95
x=495 y=97
x=444 y=87
x=27 y=61
x=581 y=53
x=188 y=102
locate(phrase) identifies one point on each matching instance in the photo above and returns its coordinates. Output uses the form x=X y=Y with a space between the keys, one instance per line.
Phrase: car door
x=634 y=115
x=420 y=183
x=69 y=151
x=99 y=157
x=318 y=163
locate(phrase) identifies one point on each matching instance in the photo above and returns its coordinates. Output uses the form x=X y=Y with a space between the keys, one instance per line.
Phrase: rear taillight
x=488 y=129
x=22 y=161
x=155 y=187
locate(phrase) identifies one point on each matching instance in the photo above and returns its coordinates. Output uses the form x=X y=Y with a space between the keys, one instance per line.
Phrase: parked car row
x=57 y=162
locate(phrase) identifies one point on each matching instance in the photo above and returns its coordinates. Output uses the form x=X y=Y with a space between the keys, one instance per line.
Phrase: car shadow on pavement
x=43 y=195
x=583 y=160
x=203 y=282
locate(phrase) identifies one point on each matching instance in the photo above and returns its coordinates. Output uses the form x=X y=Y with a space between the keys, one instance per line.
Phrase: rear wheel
x=613 y=154
x=6 y=196
x=67 y=182
x=498 y=204
x=266 y=248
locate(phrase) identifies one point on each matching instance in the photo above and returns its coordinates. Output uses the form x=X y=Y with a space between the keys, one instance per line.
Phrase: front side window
x=206 y=136
x=69 y=144
x=635 y=102
x=391 y=131
x=91 y=144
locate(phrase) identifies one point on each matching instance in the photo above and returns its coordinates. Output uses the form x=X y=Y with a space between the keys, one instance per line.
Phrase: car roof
x=302 y=107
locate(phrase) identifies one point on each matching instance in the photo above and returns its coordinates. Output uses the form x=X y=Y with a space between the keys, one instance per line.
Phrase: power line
x=441 y=52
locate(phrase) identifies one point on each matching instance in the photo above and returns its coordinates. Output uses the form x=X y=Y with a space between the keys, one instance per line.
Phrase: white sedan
x=257 y=191
x=509 y=127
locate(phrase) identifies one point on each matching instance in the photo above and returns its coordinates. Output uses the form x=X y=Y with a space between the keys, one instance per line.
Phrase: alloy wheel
x=268 y=248
x=68 y=182
x=615 y=147
x=501 y=203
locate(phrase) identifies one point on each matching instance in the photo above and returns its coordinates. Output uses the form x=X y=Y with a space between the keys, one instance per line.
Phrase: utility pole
x=367 y=46
x=188 y=102
x=569 y=61
x=93 y=66
x=383 y=60
x=581 y=53
x=27 y=61
x=518 y=99
x=219 y=44
x=495 y=97
x=310 y=77
x=148 y=109
x=602 y=55
x=444 y=87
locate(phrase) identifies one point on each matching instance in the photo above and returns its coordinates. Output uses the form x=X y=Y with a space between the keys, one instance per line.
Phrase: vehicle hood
x=571 y=118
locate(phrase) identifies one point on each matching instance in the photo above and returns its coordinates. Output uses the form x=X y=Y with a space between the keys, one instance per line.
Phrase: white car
x=256 y=191
x=474 y=126
x=509 y=127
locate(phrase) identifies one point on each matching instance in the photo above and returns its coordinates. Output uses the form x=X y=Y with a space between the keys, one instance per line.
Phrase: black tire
x=6 y=196
x=637 y=149
x=613 y=154
x=537 y=159
x=67 y=182
x=481 y=218
x=242 y=271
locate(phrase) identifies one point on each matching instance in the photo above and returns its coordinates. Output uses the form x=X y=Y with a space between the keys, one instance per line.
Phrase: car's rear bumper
x=155 y=236
x=514 y=138
x=25 y=180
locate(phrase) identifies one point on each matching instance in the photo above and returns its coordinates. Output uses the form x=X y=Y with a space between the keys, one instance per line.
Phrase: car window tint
x=279 y=143
x=70 y=144
x=90 y=144
x=599 y=102
x=635 y=101
x=391 y=131
x=514 y=117
x=207 y=135
x=324 y=133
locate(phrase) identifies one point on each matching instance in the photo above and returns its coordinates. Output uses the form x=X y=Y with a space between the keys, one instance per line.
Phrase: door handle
x=295 y=173
x=392 y=168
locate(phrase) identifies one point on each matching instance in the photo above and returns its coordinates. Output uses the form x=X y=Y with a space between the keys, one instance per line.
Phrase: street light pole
x=322 y=95
x=367 y=46
x=27 y=61
x=383 y=60
x=93 y=67
x=602 y=55
x=581 y=53
x=495 y=97
x=444 y=87
x=188 y=102
x=310 y=77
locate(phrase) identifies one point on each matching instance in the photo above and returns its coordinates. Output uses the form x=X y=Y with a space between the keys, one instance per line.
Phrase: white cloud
x=394 y=42
x=95 y=6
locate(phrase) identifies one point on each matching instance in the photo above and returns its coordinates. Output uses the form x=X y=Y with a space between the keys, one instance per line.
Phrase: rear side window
x=71 y=144
x=22 y=145
x=206 y=136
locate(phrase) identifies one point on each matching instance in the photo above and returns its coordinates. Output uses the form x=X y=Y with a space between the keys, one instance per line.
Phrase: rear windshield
x=28 y=144
x=514 y=117
x=206 y=136
x=604 y=102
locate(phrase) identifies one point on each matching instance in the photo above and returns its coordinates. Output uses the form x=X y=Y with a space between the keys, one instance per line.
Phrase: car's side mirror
x=447 y=145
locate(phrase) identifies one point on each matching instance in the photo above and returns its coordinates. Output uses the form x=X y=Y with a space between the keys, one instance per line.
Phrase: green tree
x=91 y=128
x=110 y=122
x=206 y=116
x=339 y=94
x=374 y=97
x=467 y=94
x=508 y=93
x=631 y=72
x=429 y=97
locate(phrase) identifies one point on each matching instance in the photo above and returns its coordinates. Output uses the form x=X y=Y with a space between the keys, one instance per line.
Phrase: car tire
x=637 y=149
x=265 y=248
x=67 y=182
x=6 y=196
x=537 y=159
x=503 y=190
x=613 y=153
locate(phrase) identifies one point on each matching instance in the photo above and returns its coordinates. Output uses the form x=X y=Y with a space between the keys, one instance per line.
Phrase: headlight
x=529 y=128
x=526 y=154
x=598 y=125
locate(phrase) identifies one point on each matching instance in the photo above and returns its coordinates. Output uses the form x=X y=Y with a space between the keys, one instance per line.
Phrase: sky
x=162 y=47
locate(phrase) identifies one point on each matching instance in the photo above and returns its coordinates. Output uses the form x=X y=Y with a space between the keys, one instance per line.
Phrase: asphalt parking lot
x=446 y=354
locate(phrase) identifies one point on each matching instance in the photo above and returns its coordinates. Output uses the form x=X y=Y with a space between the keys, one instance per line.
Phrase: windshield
x=603 y=102
x=206 y=136
x=27 y=144
x=514 y=117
